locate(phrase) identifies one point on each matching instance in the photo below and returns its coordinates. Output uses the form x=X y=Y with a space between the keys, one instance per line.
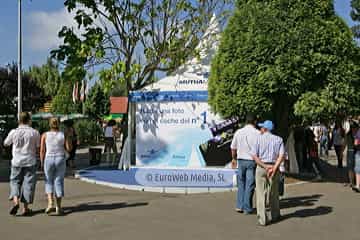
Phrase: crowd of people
x=259 y=157
x=257 y=153
x=341 y=138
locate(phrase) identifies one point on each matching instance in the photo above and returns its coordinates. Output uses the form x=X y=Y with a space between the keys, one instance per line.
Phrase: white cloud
x=43 y=28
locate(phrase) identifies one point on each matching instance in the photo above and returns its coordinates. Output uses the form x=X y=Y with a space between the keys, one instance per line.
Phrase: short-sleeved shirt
x=25 y=141
x=268 y=147
x=244 y=140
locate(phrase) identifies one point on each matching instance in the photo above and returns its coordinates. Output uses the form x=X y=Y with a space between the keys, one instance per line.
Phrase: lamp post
x=19 y=61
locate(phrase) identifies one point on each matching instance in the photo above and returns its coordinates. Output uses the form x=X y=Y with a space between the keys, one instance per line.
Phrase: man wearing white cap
x=268 y=154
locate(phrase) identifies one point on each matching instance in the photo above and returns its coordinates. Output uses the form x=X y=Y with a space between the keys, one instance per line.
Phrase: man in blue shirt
x=268 y=153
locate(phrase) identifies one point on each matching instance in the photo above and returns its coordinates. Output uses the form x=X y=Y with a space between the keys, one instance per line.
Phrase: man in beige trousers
x=268 y=153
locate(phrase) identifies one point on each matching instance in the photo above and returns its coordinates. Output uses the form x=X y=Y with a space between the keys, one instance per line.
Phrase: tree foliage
x=33 y=97
x=56 y=86
x=62 y=102
x=47 y=76
x=97 y=103
x=131 y=40
x=281 y=57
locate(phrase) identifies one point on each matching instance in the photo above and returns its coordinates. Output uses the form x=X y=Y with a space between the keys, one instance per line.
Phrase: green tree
x=51 y=80
x=62 y=102
x=97 y=103
x=33 y=96
x=132 y=39
x=278 y=57
x=47 y=76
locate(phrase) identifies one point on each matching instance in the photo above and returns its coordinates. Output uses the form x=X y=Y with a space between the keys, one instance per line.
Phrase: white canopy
x=193 y=75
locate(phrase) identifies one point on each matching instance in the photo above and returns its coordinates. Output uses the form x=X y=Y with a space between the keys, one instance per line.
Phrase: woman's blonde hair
x=54 y=123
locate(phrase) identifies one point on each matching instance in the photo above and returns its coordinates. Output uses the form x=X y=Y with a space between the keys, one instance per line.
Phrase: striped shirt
x=243 y=141
x=268 y=147
x=25 y=141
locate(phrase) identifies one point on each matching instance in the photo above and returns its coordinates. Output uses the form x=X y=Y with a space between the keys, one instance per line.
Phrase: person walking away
x=72 y=138
x=268 y=154
x=339 y=143
x=282 y=179
x=241 y=144
x=110 y=143
x=324 y=140
x=25 y=143
x=52 y=156
x=299 y=137
x=309 y=143
x=350 y=154
x=357 y=161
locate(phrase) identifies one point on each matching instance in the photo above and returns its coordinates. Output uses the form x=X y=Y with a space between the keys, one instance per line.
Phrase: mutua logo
x=192 y=81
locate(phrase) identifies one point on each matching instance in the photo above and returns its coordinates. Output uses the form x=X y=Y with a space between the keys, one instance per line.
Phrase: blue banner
x=168 y=96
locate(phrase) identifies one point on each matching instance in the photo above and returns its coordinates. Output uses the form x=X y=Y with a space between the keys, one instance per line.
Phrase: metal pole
x=19 y=61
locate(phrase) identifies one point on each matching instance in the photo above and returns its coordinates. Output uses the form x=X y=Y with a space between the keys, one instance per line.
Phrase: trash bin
x=95 y=156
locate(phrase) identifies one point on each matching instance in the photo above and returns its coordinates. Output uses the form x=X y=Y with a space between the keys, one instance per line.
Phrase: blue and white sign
x=170 y=133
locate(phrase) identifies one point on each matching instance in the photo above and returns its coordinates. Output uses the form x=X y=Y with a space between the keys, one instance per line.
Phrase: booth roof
x=190 y=81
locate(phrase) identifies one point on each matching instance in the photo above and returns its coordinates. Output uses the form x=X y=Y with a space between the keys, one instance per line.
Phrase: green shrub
x=88 y=131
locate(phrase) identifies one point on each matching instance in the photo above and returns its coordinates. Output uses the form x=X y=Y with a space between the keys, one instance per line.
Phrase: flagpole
x=19 y=61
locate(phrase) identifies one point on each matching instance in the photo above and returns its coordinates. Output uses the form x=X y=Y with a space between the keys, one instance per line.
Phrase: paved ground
x=323 y=210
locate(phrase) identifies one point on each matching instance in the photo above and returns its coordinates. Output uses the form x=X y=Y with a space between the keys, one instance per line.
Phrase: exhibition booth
x=175 y=140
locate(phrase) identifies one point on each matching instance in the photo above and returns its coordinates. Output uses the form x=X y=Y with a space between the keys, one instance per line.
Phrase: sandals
x=48 y=210
x=14 y=209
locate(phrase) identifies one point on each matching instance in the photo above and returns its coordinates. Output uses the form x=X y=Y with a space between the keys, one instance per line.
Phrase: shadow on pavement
x=331 y=173
x=308 y=212
x=299 y=201
x=85 y=207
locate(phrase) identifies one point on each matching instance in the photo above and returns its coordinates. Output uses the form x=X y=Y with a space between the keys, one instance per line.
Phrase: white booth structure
x=172 y=116
x=171 y=128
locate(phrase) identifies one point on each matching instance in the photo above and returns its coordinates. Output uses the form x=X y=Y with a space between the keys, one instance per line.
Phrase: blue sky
x=42 y=19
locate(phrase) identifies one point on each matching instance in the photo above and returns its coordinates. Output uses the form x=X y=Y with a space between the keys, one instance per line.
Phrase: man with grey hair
x=268 y=153
x=25 y=143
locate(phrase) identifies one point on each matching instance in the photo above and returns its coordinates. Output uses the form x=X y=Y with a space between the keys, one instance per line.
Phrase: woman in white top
x=109 y=132
x=52 y=156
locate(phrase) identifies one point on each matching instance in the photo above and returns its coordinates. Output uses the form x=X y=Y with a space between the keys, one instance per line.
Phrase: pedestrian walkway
x=310 y=211
x=329 y=170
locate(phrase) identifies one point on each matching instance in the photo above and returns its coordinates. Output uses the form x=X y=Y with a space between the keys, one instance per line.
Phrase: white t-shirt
x=244 y=140
x=25 y=141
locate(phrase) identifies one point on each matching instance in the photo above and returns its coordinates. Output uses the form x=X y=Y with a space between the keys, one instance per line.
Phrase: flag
x=82 y=91
x=75 y=92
